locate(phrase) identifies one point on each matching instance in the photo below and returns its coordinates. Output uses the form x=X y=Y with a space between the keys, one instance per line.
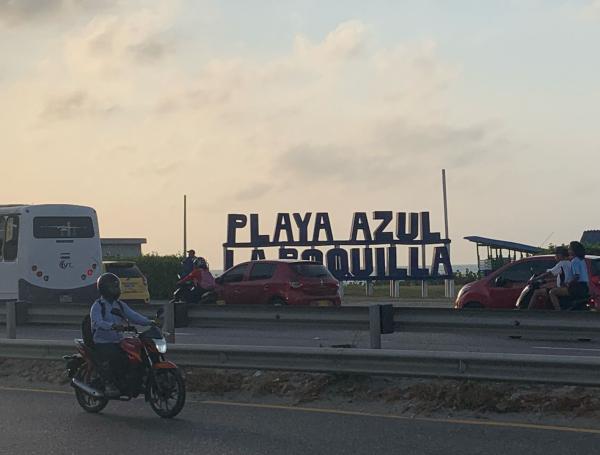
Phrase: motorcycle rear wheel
x=167 y=393
x=88 y=402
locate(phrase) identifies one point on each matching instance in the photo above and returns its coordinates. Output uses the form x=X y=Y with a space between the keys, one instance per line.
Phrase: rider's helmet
x=109 y=286
x=201 y=263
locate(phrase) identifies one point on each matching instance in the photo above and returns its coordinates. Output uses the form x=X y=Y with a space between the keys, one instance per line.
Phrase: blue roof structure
x=503 y=244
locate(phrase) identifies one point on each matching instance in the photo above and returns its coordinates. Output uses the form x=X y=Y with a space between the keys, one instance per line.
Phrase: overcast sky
x=268 y=106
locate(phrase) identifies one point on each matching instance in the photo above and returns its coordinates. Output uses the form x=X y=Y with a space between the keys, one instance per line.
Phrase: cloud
x=591 y=10
x=72 y=105
x=111 y=44
x=253 y=191
x=18 y=12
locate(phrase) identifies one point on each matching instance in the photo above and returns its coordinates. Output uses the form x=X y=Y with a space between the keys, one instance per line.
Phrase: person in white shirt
x=563 y=274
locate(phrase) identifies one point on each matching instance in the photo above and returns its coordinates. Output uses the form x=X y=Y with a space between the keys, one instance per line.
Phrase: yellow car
x=134 y=286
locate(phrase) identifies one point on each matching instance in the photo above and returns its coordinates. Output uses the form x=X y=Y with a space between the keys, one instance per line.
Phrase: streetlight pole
x=184 y=225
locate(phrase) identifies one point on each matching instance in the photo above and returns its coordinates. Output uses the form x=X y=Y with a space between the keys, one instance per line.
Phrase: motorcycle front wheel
x=167 y=393
x=88 y=402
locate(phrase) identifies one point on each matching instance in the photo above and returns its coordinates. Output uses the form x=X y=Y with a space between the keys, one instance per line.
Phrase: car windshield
x=311 y=270
x=124 y=270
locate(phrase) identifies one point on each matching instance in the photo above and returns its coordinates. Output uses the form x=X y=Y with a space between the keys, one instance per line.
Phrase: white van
x=49 y=253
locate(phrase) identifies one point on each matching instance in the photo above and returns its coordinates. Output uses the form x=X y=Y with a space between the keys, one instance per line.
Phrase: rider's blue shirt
x=579 y=268
x=102 y=325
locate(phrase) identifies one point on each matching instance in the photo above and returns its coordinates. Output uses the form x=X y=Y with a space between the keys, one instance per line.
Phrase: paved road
x=51 y=423
x=321 y=337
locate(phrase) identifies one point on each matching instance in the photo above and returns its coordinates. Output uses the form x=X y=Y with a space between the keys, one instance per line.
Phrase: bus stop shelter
x=493 y=253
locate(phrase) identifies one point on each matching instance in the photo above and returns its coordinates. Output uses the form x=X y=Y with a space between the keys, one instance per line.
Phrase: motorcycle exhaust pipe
x=86 y=388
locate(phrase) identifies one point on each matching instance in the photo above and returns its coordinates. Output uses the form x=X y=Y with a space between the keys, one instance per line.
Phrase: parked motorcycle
x=147 y=373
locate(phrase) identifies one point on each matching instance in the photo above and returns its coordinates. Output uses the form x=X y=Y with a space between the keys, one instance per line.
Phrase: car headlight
x=161 y=345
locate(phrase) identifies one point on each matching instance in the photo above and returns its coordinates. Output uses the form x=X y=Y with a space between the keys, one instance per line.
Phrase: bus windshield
x=63 y=227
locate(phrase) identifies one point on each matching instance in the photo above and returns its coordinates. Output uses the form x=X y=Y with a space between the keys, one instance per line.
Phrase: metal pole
x=184 y=225
x=445 y=194
x=169 y=324
x=424 y=288
x=375 y=326
x=449 y=283
x=11 y=320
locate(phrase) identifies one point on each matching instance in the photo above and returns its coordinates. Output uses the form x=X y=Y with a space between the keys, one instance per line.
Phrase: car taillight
x=295 y=284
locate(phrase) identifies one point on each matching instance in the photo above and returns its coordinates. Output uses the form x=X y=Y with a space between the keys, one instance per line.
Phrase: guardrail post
x=169 y=324
x=375 y=326
x=11 y=320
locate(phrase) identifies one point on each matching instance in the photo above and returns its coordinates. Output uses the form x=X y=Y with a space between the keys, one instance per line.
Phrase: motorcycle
x=524 y=298
x=147 y=373
x=566 y=303
x=187 y=292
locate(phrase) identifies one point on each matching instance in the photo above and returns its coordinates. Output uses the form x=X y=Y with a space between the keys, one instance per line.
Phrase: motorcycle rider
x=562 y=272
x=107 y=330
x=201 y=277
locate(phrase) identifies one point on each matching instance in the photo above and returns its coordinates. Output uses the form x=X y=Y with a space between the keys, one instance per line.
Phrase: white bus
x=49 y=253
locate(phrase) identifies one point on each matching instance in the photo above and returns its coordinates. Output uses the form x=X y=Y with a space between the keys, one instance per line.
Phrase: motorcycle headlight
x=161 y=345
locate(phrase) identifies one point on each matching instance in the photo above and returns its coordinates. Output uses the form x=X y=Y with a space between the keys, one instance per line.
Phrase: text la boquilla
x=370 y=252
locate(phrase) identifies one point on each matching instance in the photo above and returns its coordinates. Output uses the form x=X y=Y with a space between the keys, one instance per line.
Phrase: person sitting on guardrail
x=107 y=330
x=563 y=274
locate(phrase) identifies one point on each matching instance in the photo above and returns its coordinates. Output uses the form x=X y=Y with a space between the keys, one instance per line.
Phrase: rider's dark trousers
x=112 y=361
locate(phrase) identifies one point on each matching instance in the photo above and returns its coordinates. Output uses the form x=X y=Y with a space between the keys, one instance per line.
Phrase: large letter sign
x=371 y=252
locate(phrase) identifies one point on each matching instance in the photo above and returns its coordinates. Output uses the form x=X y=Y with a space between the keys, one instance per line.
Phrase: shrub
x=161 y=272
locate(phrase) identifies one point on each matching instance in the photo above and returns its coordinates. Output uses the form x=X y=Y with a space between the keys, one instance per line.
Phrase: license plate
x=65 y=299
x=129 y=285
x=323 y=303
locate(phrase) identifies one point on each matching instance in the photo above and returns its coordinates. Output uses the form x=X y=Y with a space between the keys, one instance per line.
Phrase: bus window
x=63 y=227
x=11 y=238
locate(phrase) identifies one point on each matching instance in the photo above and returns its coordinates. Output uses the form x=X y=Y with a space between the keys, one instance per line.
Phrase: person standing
x=188 y=263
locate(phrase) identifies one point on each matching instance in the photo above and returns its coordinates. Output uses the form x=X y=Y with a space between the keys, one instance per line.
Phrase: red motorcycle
x=147 y=373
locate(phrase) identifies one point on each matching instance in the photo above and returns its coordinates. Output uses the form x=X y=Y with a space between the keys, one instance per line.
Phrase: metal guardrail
x=508 y=322
x=462 y=365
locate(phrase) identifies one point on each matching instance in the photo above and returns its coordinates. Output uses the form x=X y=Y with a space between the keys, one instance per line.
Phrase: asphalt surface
x=465 y=341
x=37 y=422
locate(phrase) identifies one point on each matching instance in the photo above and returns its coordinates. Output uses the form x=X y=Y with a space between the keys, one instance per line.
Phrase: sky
x=264 y=106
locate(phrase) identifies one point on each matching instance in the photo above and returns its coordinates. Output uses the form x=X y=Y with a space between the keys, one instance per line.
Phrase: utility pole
x=184 y=225
x=449 y=284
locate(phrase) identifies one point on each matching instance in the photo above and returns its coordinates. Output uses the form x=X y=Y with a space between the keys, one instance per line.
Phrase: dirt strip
x=407 y=395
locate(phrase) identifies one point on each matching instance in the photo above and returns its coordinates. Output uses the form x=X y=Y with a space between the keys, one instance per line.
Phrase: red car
x=501 y=288
x=279 y=283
